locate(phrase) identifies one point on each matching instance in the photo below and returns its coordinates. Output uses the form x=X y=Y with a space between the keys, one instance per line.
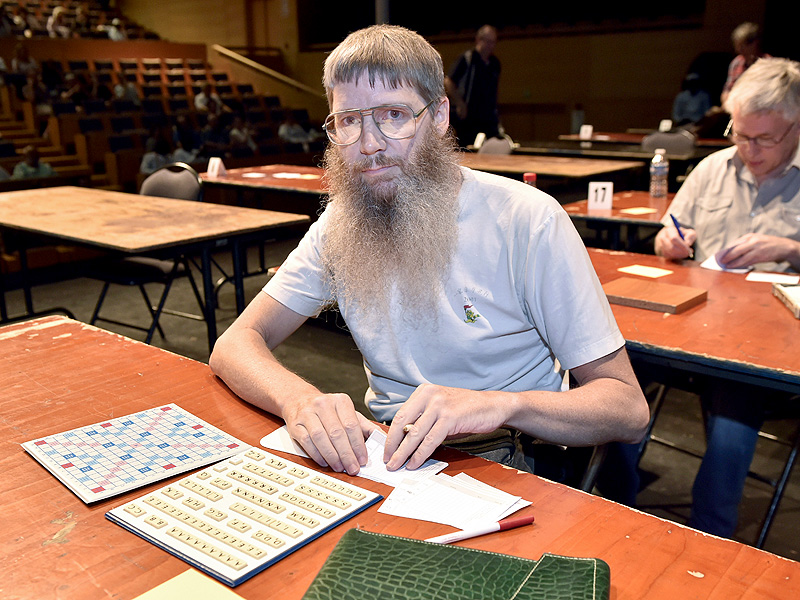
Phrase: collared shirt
x=736 y=68
x=722 y=201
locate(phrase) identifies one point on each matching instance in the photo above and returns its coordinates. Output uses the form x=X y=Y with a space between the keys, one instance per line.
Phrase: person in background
x=31 y=166
x=22 y=62
x=472 y=89
x=692 y=102
x=209 y=101
x=241 y=137
x=116 y=31
x=57 y=25
x=125 y=89
x=741 y=207
x=746 y=40
x=294 y=133
x=450 y=281
x=215 y=137
x=157 y=154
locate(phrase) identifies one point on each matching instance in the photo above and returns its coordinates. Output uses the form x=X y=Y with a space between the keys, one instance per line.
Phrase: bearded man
x=462 y=290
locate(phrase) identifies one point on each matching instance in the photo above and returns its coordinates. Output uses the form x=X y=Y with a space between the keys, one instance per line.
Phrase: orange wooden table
x=59 y=374
x=631 y=210
x=742 y=332
x=636 y=138
x=548 y=166
x=131 y=224
x=288 y=188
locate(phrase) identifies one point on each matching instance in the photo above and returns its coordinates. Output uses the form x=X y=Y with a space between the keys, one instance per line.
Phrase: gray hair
x=770 y=84
x=395 y=55
x=745 y=33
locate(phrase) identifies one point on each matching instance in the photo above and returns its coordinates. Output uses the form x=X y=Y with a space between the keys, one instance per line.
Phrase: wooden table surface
x=59 y=374
x=279 y=177
x=129 y=223
x=636 y=138
x=547 y=166
x=741 y=332
x=133 y=224
x=626 y=207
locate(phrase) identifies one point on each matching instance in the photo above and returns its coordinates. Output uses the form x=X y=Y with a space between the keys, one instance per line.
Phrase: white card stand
x=585 y=135
x=665 y=125
x=215 y=167
x=600 y=195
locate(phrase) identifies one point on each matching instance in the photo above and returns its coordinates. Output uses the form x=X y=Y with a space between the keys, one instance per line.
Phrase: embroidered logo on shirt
x=472 y=315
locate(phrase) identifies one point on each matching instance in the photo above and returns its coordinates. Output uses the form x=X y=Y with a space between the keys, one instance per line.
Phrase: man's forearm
x=243 y=361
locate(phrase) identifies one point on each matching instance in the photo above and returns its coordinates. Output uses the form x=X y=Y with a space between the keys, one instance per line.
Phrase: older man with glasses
x=742 y=206
x=462 y=290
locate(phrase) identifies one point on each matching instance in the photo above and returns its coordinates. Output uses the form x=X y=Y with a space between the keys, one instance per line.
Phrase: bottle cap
x=529 y=178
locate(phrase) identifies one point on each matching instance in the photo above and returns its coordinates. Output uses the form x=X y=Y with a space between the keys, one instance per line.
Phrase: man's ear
x=441 y=116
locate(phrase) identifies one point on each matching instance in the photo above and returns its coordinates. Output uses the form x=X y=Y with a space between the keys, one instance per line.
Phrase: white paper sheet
x=453 y=501
x=712 y=264
x=375 y=469
x=766 y=277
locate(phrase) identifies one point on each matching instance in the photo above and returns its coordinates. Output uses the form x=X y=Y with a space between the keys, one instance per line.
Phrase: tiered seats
x=110 y=135
x=84 y=18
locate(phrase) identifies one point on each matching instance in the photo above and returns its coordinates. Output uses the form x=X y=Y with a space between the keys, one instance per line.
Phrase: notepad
x=653 y=295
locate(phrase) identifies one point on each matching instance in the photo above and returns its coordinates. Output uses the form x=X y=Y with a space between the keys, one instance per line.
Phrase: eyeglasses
x=394 y=121
x=761 y=141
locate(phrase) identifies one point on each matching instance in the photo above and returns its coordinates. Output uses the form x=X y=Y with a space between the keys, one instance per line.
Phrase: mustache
x=371 y=162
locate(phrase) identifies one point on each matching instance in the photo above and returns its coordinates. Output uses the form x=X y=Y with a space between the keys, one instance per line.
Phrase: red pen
x=501 y=525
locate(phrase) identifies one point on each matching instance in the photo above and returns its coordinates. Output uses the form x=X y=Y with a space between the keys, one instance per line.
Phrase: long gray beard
x=391 y=244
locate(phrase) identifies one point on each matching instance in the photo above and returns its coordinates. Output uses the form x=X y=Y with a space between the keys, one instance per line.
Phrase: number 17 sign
x=600 y=195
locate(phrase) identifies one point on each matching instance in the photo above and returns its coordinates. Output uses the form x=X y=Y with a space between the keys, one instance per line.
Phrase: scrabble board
x=122 y=454
x=236 y=518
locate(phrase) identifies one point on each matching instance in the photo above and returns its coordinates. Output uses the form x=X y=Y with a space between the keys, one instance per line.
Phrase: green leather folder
x=384 y=567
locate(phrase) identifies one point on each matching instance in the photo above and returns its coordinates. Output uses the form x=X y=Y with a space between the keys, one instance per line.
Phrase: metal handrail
x=243 y=60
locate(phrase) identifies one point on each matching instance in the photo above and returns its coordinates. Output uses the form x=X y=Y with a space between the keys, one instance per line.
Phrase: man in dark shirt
x=472 y=89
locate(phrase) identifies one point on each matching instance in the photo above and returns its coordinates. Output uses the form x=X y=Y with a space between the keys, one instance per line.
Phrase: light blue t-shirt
x=521 y=293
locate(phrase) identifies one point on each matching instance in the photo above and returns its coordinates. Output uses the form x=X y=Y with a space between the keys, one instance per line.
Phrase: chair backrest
x=674 y=142
x=175 y=180
x=496 y=145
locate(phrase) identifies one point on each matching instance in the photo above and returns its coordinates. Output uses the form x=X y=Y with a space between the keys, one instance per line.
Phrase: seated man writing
x=741 y=204
x=461 y=289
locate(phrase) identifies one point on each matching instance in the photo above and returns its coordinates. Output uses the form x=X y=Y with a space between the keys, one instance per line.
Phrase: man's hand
x=433 y=414
x=330 y=430
x=754 y=248
x=670 y=245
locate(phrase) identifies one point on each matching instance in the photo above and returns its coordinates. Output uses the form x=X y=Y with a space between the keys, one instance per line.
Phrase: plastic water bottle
x=529 y=178
x=659 y=173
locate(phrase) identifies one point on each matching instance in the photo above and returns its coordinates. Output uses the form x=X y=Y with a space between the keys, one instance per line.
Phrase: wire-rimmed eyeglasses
x=760 y=141
x=394 y=121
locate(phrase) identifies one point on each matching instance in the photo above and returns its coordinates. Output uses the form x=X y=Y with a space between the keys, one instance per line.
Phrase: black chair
x=179 y=181
x=128 y=64
x=103 y=65
x=674 y=142
x=78 y=65
x=120 y=105
x=173 y=63
x=88 y=124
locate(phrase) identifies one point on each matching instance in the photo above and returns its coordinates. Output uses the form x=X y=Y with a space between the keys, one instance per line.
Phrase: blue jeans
x=719 y=483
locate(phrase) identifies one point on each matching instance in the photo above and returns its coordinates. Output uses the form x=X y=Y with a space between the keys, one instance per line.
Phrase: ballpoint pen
x=680 y=233
x=501 y=525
